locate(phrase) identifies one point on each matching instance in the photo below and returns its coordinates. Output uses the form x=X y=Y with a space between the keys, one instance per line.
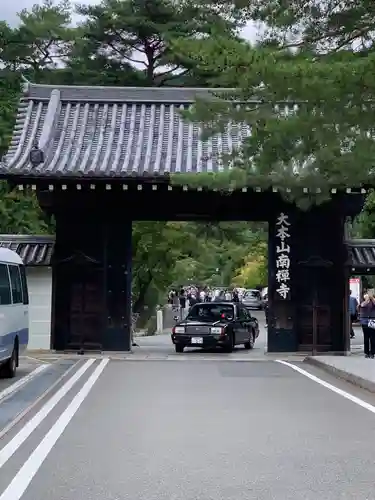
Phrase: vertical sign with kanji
x=283 y=256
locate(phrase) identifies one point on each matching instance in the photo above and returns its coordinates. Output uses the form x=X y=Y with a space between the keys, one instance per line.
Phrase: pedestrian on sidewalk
x=367 y=319
x=353 y=312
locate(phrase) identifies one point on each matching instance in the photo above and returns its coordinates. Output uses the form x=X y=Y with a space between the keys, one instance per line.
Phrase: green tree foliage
x=254 y=271
x=9 y=96
x=311 y=121
x=309 y=109
x=336 y=32
x=41 y=41
x=364 y=225
x=20 y=212
x=182 y=253
x=138 y=32
x=322 y=27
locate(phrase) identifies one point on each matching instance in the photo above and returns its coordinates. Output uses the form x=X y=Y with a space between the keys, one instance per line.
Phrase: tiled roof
x=33 y=250
x=362 y=255
x=113 y=132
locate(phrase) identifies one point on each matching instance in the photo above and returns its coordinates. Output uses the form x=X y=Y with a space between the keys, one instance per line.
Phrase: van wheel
x=9 y=368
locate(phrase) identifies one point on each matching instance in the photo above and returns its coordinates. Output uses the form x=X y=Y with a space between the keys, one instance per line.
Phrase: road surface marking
x=13 y=445
x=36 y=359
x=36 y=402
x=25 y=475
x=331 y=387
x=17 y=385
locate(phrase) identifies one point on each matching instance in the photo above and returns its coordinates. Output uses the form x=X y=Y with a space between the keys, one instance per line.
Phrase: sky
x=8 y=13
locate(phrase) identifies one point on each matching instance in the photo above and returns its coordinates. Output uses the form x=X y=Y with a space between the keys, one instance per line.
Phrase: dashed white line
x=21 y=382
x=331 y=387
x=13 y=445
x=23 y=478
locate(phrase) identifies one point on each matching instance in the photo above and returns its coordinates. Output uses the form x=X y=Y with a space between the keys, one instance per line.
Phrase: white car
x=252 y=299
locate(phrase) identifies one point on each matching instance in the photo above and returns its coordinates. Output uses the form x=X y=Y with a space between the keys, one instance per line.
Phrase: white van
x=14 y=311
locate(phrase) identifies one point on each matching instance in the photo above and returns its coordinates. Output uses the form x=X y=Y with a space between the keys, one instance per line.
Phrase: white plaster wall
x=39 y=281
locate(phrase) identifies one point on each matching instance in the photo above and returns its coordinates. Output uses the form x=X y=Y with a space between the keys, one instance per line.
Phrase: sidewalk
x=357 y=370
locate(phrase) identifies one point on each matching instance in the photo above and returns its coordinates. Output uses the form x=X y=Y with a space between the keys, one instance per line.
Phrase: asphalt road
x=26 y=368
x=195 y=427
x=155 y=430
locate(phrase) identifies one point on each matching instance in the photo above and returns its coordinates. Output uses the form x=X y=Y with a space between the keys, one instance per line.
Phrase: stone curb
x=342 y=374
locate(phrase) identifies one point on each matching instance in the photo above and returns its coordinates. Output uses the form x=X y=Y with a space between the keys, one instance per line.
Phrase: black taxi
x=216 y=324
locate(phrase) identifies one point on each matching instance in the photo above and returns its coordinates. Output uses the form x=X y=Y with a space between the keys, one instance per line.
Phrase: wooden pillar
x=308 y=281
x=60 y=308
x=282 y=335
x=77 y=274
x=118 y=284
x=321 y=289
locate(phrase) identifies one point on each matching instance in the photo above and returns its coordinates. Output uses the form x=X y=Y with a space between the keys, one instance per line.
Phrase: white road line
x=42 y=361
x=13 y=445
x=331 y=387
x=37 y=401
x=17 y=385
x=23 y=478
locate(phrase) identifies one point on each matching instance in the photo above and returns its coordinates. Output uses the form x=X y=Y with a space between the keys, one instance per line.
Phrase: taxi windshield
x=210 y=312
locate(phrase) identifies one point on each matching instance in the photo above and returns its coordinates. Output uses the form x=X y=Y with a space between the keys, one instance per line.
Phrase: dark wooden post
x=308 y=312
x=60 y=290
x=78 y=293
x=281 y=324
x=321 y=280
x=118 y=283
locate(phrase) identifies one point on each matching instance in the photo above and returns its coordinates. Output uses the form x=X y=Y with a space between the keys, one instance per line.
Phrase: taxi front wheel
x=231 y=343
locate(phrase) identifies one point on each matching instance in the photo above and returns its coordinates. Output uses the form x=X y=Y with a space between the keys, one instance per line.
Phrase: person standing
x=266 y=309
x=182 y=301
x=367 y=319
x=175 y=301
x=193 y=300
x=236 y=297
x=353 y=312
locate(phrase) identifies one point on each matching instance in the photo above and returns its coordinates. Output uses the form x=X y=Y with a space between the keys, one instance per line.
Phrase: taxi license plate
x=197 y=340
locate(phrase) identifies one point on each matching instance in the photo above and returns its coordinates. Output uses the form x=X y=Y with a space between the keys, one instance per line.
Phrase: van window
x=16 y=285
x=5 y=296
x=25 y=291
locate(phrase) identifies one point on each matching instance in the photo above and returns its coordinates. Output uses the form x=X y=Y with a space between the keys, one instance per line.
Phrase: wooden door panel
x=86 y=310
x=305 y=325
